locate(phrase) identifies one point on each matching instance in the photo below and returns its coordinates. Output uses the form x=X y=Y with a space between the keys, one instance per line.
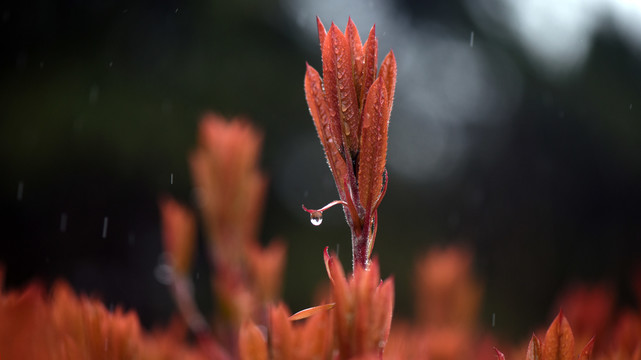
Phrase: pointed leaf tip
x=534 y=349
x=559 y=340
x=499 y=354
x=328 y=260
x=321 y=31
x=586 y=353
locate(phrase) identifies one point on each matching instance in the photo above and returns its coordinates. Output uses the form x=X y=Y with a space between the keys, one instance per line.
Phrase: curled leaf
x=305 y=313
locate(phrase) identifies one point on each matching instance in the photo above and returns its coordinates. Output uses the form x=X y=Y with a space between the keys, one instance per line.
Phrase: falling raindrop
x=630 y=106
x=20 y=190
x=63 y=222
x=171 y=179
x=104 y=227
x=163 y=272
x=493 y=319
x=111 y=64
x=94 y=92
x=316 y=218
x=472 y=39
x=176 y=11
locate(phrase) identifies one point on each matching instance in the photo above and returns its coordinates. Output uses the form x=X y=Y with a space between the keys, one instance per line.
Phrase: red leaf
x=373 y=147
x=328 y=131
x=586 y=353
x=357 y=56
x=499 y=354
x=534 y=349
x=321 y=31
x=559 y=340
x=388 y=74
x=251 y=342
x=370 y=49
x=340 y=92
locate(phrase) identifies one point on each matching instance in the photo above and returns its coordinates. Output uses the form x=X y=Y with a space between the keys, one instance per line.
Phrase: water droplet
x=472 y=39
x=171 y=179
x=63 y=222
x=346 y=129
x=316 y=218
x=163 y=272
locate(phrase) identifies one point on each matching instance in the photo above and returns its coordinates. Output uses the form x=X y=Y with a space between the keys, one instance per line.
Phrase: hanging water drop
x=316 y=218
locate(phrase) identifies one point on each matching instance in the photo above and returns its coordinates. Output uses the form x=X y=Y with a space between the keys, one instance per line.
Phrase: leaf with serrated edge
x=373 y=145
x=339 y=86
x=370 y=50
x=356 y=55
x=321 y=32
x=328 y=131
x=388 y=73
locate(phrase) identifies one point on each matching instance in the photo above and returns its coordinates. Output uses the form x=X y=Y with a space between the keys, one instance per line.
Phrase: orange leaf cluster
x=351 y=107
x=447 y=305
x=231 y=192
x=558 y=344
x=355 y=326
x=64 y=326
x=179 y=234
x=246 y=277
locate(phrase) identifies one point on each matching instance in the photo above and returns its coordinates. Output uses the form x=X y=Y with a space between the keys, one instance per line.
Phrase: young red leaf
x=321 y=32
x=534 y=349
x=356 y=55
x=499 y=354
x=388 y=74
x=373 y=145
x=251 y=342
x=339 y=86
x=328 y=131
x=586 y=353
x=370 y=50
x=559 y=340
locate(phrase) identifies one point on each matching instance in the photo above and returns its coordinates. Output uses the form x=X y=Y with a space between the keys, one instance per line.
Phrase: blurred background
x=516 y=131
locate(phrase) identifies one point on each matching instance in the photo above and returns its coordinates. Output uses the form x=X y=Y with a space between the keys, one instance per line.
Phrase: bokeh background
x=516 y=131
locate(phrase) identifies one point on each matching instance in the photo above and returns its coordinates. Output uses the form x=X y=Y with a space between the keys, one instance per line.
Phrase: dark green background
x=99 y=103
